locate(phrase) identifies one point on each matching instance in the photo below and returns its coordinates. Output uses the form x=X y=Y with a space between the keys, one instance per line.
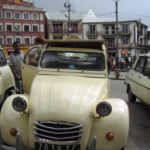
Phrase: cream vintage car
x=7 y=84
x=67 y=106
x=138 y=80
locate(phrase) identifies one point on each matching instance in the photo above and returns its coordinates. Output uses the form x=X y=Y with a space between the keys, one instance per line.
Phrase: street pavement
x=122 y=75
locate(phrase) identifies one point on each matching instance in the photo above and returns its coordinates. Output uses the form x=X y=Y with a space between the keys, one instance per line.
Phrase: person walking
x=15 y=61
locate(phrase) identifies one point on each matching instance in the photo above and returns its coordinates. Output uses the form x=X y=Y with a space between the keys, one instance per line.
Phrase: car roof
x=75 y=45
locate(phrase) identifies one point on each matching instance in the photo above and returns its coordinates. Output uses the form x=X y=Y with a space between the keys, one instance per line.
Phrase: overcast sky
x=132 y=9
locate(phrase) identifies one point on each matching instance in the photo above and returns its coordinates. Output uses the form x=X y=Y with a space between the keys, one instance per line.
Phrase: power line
x=134 y=14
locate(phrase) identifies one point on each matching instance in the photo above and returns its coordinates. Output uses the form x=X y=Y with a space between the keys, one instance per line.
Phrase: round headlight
x=19 y=104
x=103 y=109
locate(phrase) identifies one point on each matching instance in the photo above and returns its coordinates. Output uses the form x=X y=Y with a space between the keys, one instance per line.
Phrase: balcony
x=89 y=33
x=108 y=33
x=58 y=31
x=124 y=33
x=111 y=46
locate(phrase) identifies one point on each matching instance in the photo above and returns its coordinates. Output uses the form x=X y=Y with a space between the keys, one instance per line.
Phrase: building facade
x=59 y=27
x=132 y=34
x=20 y=21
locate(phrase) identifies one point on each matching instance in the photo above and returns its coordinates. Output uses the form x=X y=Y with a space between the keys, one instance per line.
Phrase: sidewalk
x=121 y=77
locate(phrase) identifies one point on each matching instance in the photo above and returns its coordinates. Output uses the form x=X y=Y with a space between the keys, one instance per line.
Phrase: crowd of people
x=122 y=63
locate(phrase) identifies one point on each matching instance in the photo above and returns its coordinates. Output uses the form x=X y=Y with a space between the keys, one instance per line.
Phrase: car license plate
x=44 y=146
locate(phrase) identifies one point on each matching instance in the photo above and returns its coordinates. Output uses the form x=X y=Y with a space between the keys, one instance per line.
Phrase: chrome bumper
x=20 y=146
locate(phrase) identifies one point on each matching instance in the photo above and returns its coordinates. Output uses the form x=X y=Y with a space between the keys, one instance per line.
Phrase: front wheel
x=131 y=96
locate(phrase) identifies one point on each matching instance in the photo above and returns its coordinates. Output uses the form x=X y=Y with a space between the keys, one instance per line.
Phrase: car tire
x=131 y=96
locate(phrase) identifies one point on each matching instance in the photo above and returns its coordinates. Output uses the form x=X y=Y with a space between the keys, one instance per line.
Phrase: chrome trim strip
x=59 y=138
x=70 y=128
x=58 y=133
x=57 y=142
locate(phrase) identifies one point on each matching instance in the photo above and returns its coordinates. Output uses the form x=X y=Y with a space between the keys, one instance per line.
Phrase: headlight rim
x=107 y=106
x=16 y=102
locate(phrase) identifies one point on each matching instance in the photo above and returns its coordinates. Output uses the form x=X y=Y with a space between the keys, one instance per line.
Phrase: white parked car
x=68 y=106
x=7 y=84
x=138 y=79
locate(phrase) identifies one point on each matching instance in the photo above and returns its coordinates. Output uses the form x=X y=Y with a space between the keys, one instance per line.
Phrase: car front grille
x=58 y=131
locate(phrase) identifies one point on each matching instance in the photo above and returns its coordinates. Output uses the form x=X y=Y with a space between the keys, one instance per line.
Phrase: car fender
x=9 y=118
x=117 y=122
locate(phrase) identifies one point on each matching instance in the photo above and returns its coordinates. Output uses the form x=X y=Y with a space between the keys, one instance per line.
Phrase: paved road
x=139 y=133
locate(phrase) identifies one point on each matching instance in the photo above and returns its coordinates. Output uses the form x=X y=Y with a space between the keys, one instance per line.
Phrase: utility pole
x=117 y=70
x=117 y=50
x=67 y=5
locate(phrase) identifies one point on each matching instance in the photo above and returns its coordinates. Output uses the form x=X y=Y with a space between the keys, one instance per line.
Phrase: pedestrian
x=15 y=61
x=114 y=63
x=130 y=61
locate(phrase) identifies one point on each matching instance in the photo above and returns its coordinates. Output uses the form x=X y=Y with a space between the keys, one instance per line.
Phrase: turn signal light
x=13 y=131
x=110 y=136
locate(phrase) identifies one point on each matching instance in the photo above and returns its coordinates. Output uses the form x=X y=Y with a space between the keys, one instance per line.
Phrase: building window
x=125 y=28
x=113 y=29
x=125 y=40
x=8 y=15
x=9 y=40
x=1 y=27
x=92 y=29
x=141 y=41
x=8 y=27
x=26 y=40
x=110 y=42
x=73 y=27
x=106 y=30
x=26 y=16
x=17 y=15
x=26 y=28
x=18 y=39
x=35 y=16
x=1 y=15
x=35 y=28
x=1 y=41
x=58 y=28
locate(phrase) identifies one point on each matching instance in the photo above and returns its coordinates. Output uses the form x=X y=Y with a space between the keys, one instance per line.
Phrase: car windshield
x=2 y=59
x=73 y=60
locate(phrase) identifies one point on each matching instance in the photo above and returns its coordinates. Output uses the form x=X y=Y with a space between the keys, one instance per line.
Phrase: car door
x=132 y=78
x=146 y=81
x=29 y=67
x=141 y=90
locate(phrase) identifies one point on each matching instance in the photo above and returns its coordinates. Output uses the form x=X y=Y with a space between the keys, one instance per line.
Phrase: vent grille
x=58 y=131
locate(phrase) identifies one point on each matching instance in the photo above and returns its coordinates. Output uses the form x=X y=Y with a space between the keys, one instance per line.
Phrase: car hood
x=66 y=97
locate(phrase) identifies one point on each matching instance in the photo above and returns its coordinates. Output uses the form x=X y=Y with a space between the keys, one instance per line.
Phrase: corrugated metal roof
x=20 y=7
x=63 y=15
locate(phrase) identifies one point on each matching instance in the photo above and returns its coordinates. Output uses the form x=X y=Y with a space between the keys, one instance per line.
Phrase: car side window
x=140 y=64
x=32 y=57
x=146 y=70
